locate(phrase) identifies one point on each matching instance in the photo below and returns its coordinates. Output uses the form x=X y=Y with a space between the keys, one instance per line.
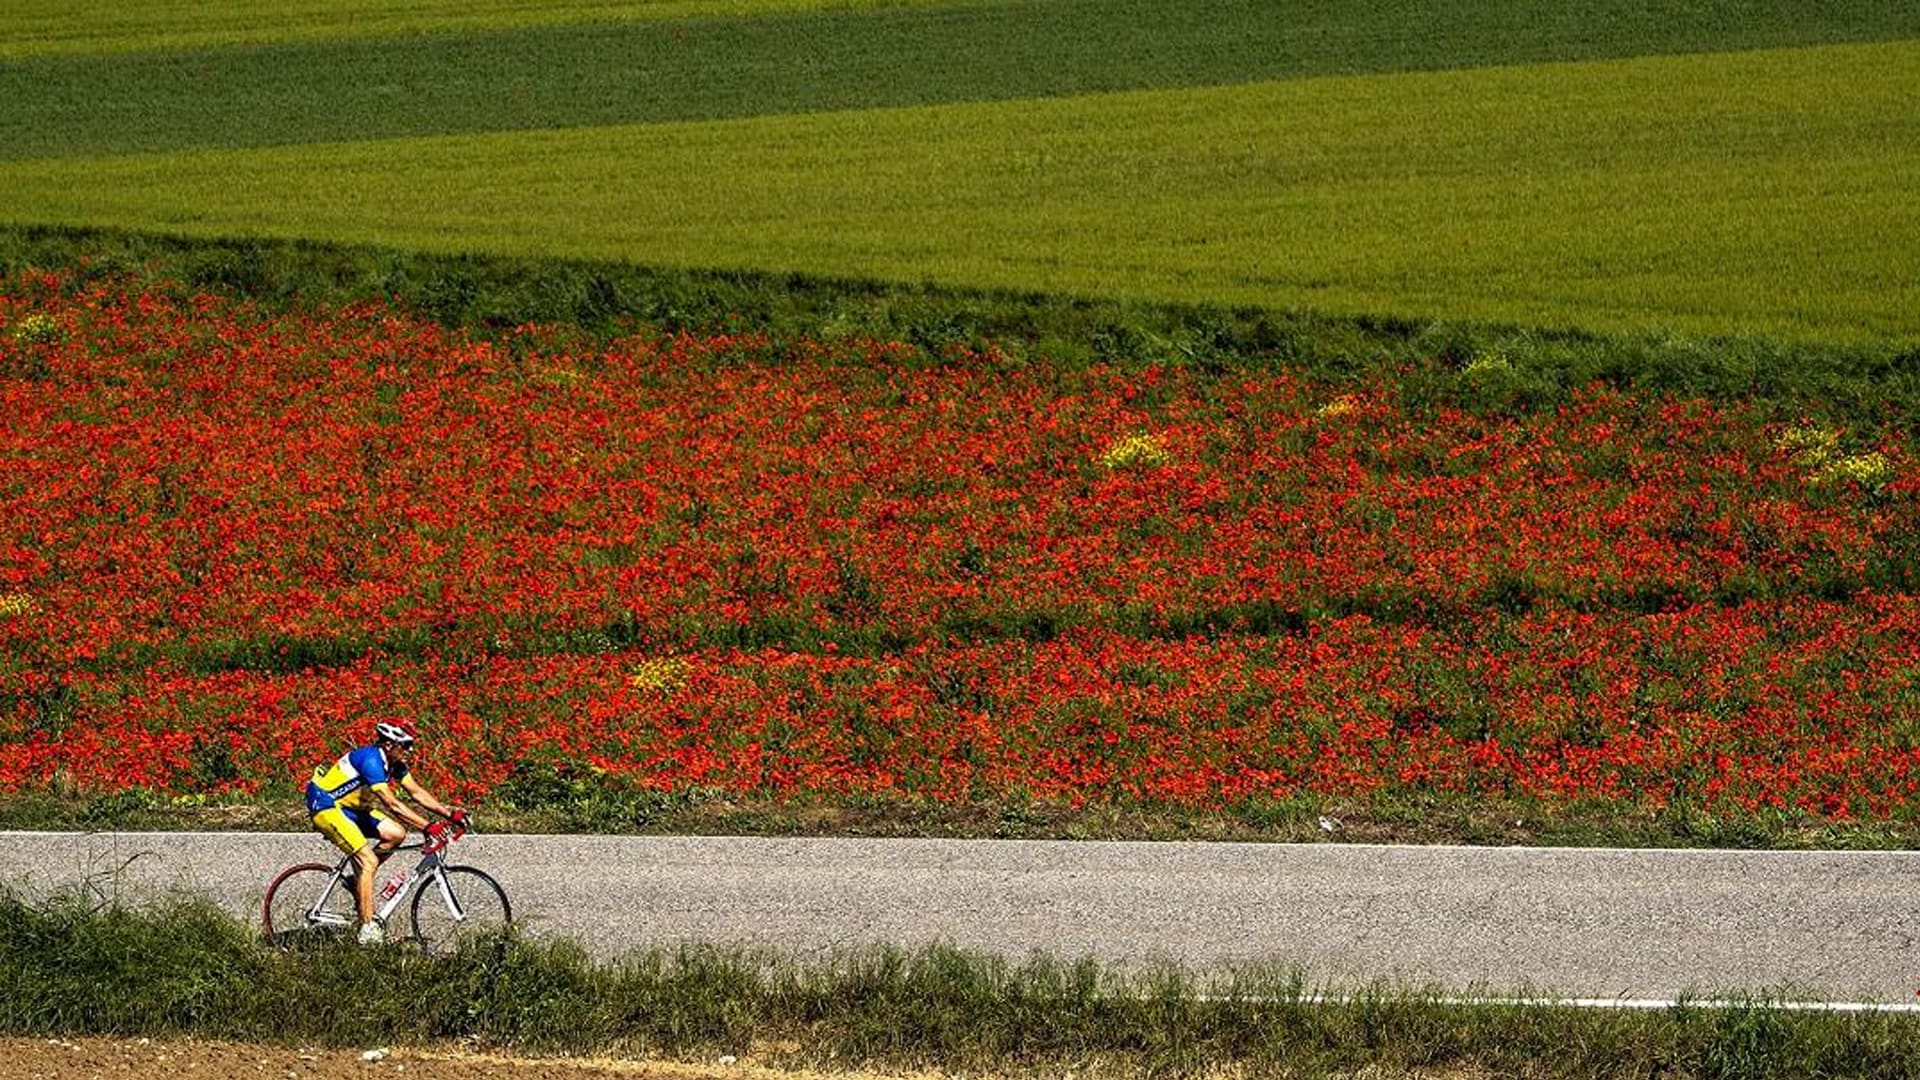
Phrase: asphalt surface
x=1579 y=923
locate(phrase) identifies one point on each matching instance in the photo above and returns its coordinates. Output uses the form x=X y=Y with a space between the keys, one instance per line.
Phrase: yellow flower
x=1810 y=445
x=17 y=605
x=1339 y=406
x=1870 y=470
x=662 y=674
x=1143 y=450
x=38 y=328
x=1487 y=362
x=559 y=376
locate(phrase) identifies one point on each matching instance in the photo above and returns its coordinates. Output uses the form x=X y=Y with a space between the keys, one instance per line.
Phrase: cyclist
x=354 y=804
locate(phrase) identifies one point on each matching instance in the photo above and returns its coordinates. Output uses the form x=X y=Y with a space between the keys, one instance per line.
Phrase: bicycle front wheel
x=305 y=907
x=457 y=903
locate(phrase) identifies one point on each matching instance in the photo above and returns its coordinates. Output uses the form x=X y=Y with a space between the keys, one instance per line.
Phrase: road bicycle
x=312 y=903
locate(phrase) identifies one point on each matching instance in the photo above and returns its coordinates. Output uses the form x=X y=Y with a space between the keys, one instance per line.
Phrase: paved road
x=1838 y=926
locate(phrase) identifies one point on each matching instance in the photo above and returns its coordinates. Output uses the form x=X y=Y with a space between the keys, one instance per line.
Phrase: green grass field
x=1700 y=169
x=1769 y=192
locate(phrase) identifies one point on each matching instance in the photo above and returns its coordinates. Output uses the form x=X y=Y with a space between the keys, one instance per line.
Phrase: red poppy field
x=231 y=539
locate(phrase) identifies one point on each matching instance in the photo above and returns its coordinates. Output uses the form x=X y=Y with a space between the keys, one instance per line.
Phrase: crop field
x=654 y=71
x=52 y=27
x=1624 y=167
x=839 y=570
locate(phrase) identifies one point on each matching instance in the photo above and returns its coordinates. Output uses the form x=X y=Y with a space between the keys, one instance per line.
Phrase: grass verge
x=68 y=967
x=544 y=800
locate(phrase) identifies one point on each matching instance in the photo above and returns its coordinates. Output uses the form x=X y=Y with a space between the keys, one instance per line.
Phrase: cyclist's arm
x=418 y=793
x=398 y=808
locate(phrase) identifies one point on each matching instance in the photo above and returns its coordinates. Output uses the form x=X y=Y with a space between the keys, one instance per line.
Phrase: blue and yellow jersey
x=348 y=781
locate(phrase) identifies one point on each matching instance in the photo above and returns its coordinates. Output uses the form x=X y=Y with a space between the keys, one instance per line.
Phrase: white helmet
x=395 y=731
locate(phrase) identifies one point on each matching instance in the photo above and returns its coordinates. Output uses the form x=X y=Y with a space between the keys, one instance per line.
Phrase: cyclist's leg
x=337 y=826
x=388 y=833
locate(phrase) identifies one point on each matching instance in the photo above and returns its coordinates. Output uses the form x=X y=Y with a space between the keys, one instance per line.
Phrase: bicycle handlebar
x=454 y=830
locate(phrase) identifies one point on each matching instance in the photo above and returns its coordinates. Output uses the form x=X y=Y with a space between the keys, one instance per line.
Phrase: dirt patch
x=193 y=1059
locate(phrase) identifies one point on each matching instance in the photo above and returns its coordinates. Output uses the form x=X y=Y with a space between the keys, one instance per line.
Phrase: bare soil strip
x=196 y=1059
x=186 y=1059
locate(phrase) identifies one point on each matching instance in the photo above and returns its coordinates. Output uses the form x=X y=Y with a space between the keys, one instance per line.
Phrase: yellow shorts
x=349 y=829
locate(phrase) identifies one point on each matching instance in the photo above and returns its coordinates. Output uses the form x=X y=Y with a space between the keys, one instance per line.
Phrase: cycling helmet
x=395 y=731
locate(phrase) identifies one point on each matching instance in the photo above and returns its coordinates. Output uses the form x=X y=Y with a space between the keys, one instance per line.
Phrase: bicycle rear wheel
x=295 y=914
x=457 y=903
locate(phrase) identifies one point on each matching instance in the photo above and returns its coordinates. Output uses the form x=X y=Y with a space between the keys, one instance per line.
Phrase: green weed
x=69 y=967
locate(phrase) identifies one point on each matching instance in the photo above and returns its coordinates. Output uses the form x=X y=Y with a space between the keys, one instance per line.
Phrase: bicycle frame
x=427 y=869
